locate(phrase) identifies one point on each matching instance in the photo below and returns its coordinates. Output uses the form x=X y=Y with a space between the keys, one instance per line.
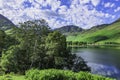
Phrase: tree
x=56 y=48
x=2 y=40
x=6 y=41
x=15 y=60
x=29 y=52
x=60 y=56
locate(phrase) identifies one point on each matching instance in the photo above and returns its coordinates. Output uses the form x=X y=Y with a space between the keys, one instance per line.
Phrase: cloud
x=95 y=2
x=52 y=14
x=109 y=4
x=1 y=4
x=77 y=13
x=81 y=15
x=84 y=1
x=116 y=10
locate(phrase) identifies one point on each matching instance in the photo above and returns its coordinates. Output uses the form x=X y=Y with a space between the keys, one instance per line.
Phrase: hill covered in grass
x=99 y=34
x=5 y=23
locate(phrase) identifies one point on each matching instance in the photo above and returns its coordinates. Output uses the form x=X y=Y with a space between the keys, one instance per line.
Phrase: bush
x=6 y=77
x=53 y=74
x=32 y=74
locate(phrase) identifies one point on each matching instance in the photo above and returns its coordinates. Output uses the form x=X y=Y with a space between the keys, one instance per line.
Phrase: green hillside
x=5 y=23
x=109 y=33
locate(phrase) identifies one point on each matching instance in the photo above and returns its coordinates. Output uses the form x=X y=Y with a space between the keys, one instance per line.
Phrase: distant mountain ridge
x=5 y=23
x=69 y=28
x=74 y=29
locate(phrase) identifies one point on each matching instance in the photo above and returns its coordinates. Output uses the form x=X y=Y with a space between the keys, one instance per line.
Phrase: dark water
x=105 y=62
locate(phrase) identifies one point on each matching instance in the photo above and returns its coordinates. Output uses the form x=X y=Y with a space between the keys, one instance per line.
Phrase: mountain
x=5 y=23
x=99 y=34
x=69 y=29
x=98 y=27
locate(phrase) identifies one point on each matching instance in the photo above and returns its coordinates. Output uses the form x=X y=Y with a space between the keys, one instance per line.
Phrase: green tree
x=30 y=50
x=2 y=40
x=56 y=48
x=60 y=56
x=15 y=60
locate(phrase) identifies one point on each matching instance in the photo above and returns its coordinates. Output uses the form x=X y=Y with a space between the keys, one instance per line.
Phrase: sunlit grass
x=111 y=31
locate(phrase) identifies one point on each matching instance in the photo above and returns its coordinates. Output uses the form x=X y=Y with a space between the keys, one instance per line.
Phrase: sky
x=58 y=13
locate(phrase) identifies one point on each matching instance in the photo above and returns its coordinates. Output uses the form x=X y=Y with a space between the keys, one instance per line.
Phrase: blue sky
x=58 y=13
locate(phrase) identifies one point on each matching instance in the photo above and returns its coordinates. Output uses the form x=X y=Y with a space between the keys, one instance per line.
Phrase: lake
x=102 y=61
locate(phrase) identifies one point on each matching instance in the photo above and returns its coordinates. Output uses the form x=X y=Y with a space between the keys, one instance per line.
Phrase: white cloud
x=56 y=15
x=109 y=5
x=54 y=4
x=82 y=16
x=84 y=1
x=95 y=2
x=112 y=5
x=116 y=10
x=1 y=3
x=63 y=9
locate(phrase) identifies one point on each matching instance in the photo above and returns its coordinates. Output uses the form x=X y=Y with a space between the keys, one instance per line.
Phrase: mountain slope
x=5 y=23
x=109 y=33
x=69 y=29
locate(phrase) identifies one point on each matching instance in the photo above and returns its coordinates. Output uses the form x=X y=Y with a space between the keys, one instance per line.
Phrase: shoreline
x=95 y=46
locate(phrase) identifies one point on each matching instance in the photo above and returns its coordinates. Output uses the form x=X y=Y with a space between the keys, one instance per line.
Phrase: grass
x=111 y=32
x=12 y=77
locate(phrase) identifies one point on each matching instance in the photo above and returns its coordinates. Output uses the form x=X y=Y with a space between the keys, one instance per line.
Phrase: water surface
x=102 y=61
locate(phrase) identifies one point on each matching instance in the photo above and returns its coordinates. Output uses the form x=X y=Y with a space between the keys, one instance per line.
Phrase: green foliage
x=53 y=74
x=6 y=77
x=56 y=42
x=15 y=60
x=56 y=50
x=12 y=77
x=2 y=40
x=28 y=51
x=34 y=45
x=59 y=55
x=102 y=34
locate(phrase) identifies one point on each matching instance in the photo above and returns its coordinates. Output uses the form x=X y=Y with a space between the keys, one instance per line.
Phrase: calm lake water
x=105 y=62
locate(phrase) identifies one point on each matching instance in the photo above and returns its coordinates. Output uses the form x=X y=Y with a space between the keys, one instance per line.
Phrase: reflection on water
x=102 y=61
x=105 y=70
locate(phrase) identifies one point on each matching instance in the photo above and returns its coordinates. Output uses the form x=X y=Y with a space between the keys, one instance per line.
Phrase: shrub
x=6 y=77
x=32 y=74
x=53 y=74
